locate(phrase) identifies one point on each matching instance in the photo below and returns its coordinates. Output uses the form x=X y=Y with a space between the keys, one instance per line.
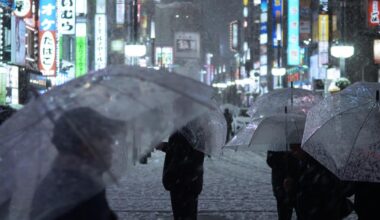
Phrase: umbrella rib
x=357 y=136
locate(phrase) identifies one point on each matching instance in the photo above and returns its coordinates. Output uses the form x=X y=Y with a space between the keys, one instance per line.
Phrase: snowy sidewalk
x=236 y=186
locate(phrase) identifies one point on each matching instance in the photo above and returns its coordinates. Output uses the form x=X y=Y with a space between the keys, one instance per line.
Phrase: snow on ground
x=236 y=186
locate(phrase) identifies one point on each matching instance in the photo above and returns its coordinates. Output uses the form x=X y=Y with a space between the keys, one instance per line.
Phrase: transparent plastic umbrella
x=342 y=133
x=151 y=104
x=273 y=133
x=298 y=101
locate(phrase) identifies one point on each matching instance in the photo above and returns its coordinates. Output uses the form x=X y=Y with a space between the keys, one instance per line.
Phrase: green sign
x=3 y=87
x=80 y=56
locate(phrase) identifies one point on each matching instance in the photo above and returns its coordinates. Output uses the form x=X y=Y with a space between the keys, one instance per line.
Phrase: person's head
x=86 y=134
x=226 y=111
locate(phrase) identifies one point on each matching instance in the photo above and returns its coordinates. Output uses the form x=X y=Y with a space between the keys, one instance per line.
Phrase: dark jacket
x=66 y=194
x=320 y=194
x=183 y=167
x=367 y=201
x=283 y=166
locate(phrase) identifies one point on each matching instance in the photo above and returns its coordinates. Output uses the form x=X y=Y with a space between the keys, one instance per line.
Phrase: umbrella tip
x=286 y=109
x=377 y=95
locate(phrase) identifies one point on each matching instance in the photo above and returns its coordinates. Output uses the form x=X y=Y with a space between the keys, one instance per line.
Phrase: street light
x=342 y=51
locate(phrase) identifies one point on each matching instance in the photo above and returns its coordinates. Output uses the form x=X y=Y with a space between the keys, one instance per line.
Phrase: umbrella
x=278 y=119
x=342 y=133
x=150 y=104
x=270 y=133
x=299 y=101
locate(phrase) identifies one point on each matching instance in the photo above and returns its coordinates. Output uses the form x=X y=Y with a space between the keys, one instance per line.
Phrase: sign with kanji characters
x=66 y=17
x=22 y=8
x=48 y=13
x=47 y=53
x=100 y=41
x=80 y=49
x=293 y=33
x=373 y=13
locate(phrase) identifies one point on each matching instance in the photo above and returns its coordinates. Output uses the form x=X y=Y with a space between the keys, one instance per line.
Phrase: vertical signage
x=293 y=33
x=80 y=50
x=47 y=37
x=376 y=50
x=100 y=41
x=373 y=13
x=323 y=24
x=18 y=41
x=80 y=7
x=234 y=36
x=120 y=11
x=66 y=17
x=263 y=38
x=101 y=6
x=277 y=26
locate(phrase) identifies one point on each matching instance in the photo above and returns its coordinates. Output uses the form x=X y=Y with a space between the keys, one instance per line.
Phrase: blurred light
x=245 y=12
x=278 y=71
x=256 y=2
x=135 y=50
x=342 y=51
x=152 y=30
x=117 y=45
x=245 y=24
x=177 y=16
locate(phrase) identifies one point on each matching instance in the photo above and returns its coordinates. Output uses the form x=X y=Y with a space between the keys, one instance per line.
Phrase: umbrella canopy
x=135 y=109
x=278 y=119
x=298 y=101
x=342 y=133
x=271 y=133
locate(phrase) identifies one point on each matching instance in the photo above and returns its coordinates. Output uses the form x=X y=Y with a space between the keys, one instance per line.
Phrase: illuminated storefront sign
x=47 y=37
x=101 y=6
x=100 y=41
x=81 y=7
x=277 y=16
x=164 y=56
x=373 y=13
x=120 y=11
x=263 y=37
x=293 y=33
x=22 y=8
x=18 y=41
x=376 y=51
x=234 y=36
x=80 y=50
x=66 y=15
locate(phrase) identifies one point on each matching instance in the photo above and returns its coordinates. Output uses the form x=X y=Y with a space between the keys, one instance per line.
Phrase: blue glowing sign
x=48 y=13
x=293 y=33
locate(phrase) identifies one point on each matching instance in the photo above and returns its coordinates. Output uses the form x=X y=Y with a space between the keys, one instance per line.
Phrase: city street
x=236 y=186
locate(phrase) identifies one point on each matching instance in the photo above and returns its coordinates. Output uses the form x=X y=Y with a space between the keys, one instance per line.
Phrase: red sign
x=373 y=13
x=294 y=77
x=47 y=54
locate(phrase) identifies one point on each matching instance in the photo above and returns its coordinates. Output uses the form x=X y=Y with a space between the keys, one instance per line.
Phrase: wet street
x=236 y=186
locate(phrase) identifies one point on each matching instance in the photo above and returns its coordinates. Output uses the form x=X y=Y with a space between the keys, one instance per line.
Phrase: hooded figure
x=183 y=174
x=83 y=141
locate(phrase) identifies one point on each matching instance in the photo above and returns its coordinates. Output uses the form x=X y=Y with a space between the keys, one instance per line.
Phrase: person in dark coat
x=5 y=113
x=367 y=200
x=228 y=117
x=320 y=194
x=284 y=173
x=74 y=189
x=183 y=176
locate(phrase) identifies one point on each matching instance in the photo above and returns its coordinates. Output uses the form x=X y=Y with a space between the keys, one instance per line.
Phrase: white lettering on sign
x=22 y=7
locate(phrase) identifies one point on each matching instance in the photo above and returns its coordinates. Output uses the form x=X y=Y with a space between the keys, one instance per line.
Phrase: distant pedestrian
x=284 y=175
x=229 y=119
x=367 y=201
x=74 y=188
x=183 y=176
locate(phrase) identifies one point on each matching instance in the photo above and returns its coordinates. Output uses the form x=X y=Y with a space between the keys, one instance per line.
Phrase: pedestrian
x=228 y=117
x=284 y=174
x=320 y=194
x=74 y=189
x=183 y=175
x=5 y=198
x=367 y=198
